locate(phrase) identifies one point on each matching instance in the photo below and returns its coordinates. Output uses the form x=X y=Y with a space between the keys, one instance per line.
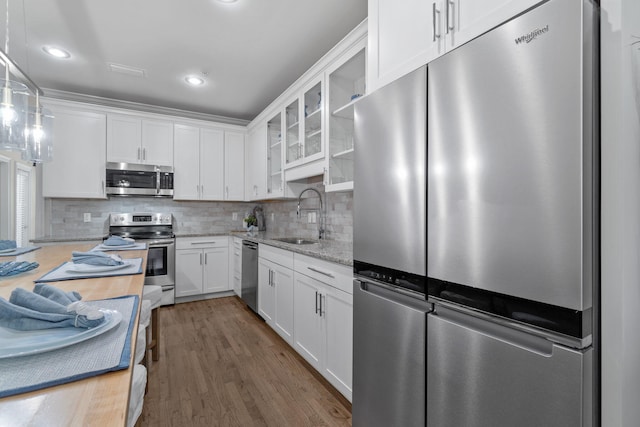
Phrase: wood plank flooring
x=221 y=365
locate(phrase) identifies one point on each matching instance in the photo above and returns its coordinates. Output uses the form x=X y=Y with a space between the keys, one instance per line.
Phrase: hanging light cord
x=6 y=45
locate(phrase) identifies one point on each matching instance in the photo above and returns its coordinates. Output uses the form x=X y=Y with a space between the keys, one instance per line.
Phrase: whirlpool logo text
x=532 y=35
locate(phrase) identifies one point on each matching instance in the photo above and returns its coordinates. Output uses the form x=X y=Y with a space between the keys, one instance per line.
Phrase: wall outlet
x=235 y=216
x=87 y=217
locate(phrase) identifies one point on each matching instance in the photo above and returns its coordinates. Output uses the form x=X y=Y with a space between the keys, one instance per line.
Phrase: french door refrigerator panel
x=510 y=159
x=484 y=374
x=389 y=168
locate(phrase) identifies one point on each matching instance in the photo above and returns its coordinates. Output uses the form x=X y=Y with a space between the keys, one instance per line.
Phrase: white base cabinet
x=323 y=319
x=275 y=290
x=235 y=264
x=202 y=265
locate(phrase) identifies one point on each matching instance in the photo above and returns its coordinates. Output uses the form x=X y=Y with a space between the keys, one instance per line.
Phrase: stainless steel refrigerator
x=389 y=252
x=513 y=227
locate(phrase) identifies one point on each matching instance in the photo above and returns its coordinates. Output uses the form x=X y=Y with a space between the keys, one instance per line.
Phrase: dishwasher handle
x=250 y=245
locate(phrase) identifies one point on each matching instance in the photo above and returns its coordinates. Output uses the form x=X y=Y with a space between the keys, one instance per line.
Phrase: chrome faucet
x=322 y=213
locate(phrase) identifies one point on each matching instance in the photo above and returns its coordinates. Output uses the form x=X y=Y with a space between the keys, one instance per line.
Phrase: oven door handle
x=160 y=242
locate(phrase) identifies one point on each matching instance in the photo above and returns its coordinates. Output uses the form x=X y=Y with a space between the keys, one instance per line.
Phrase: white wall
x=620 y=96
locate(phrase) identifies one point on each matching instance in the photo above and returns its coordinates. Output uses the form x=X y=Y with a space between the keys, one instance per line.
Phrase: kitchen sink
x=296 y=241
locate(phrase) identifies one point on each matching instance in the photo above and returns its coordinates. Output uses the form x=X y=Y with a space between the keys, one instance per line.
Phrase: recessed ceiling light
x=57 y=52
x=194 y=80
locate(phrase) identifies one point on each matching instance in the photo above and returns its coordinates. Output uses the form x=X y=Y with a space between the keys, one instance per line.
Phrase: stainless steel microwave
x=129 y=179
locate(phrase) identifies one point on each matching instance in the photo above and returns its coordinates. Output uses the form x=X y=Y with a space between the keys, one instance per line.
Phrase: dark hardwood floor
x=221 y=365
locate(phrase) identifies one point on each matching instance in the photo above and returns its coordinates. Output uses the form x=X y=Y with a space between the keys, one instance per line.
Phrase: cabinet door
x=216 y=270
x=266 y=300
x=211 y=164
x=469 y=18
x=312 y=134
x=124 y=134
x=78 y=166
x=256 y=164
x=234 y=166
x=188 y=272
x=337 y=311
x=235 y=260
x=283 y=285
x=157 y=142
x=308 y=323
x=186 y=177
x=401 y=38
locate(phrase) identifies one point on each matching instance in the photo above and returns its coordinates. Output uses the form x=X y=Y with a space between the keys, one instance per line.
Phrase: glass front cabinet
x=304 y=124
x=274 y=156
x=346 y=84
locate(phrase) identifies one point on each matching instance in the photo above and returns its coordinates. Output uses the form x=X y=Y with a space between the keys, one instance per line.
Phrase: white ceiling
x=251 y=51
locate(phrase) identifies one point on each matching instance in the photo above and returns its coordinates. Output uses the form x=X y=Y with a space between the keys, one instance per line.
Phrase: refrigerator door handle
x=393 y=294
x=506 y=334
x=522 y=328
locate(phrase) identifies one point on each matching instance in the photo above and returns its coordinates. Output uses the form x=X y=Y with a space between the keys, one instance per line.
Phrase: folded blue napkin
x=11 y=268
x=56 y=294
x=28 y=311
x=117 y=241
x=95 y=258
x=7 y=244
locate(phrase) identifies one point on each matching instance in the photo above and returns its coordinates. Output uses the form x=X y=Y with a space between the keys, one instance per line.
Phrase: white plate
x=128 y=245
x=23 y=343
x=88 y=268
x=4 y=251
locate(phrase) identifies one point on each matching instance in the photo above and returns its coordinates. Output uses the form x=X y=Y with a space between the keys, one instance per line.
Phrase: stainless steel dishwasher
x=250 y=274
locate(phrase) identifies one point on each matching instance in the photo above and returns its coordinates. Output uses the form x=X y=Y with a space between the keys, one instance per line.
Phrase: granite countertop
x=328 y=250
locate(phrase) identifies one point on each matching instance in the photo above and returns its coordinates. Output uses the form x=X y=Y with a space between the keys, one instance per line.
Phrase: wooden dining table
x=97 y=401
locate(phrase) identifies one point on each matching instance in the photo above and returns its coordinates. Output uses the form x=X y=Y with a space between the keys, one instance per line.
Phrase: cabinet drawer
x=279 y=256
x=332 y=274
x=202 y=242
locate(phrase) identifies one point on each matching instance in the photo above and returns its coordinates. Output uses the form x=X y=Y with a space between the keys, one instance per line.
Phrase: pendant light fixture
x=23 y=127
x=13 y=106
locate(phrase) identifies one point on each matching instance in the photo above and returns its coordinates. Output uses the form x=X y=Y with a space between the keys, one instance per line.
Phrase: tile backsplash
x=64 y=217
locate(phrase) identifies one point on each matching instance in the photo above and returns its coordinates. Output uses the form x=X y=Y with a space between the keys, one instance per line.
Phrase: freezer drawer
x=480 y=373
x=388 y=357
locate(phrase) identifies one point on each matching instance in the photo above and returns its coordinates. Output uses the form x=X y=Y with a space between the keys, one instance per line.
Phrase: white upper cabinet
x=132 y=139
x=78 y=166
x=256 y=163
x=404 y=35
x=211 y=164
x=199 y=157
x=234 y=165
x=346 y=84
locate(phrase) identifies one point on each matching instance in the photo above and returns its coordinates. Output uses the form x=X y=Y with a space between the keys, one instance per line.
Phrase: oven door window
x=131 y=179
x=157 y=262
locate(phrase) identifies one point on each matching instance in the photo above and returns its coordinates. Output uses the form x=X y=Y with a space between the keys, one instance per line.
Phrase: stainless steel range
x=156 y=230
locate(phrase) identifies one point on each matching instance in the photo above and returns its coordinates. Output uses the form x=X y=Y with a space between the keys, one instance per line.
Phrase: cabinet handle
x=316 y=302
x=450 y=6
x=435 y=22
x=321 y=272
x=104 y=188
x=321 y=312
x=144 y=154
x=273 y=278
x=226 y=189
x=200 y=259
x=203 y=243
x=205 y=258
x=138 y=155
